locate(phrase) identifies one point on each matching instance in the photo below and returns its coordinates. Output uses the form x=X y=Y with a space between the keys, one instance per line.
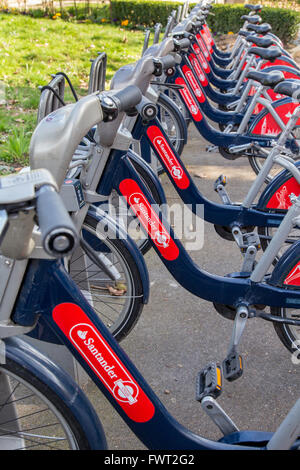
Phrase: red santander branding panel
x=267 y=124
x=149 y=219
x=293 y=278
x=93 y=348
x=208 y=33
x=168 y=157
x=189 y=100
x=198 y=69
x=202 y=47
x=206 y=39
x=193 y=83
x=203 y=62
x=281 y=197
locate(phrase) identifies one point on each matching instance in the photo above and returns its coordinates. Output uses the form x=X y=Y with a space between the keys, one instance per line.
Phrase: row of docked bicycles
x=73 y=269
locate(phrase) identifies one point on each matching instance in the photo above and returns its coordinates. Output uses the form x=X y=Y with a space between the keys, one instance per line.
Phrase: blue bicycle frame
x=196 y=110
x=72 y=319
x=219 y=214
x=121 y=175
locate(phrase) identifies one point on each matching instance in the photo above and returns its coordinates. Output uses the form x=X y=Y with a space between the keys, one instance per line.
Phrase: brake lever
x=167 y=85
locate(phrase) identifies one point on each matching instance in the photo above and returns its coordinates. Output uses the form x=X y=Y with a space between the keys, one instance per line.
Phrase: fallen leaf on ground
x=114 y=291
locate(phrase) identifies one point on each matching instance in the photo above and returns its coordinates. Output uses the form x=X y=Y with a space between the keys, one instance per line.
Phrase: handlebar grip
x=59 y=235
x=127 y=98
x=198 y=24
x=167 y=61
x=183 y=43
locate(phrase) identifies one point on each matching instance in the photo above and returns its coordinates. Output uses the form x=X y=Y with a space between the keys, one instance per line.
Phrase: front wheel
x=34 y=417
x=267 y=233
x=257 y=161
x=118 y=302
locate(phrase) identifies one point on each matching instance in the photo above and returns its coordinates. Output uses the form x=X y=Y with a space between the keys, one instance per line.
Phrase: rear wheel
x=257 y=162
x=289 y=335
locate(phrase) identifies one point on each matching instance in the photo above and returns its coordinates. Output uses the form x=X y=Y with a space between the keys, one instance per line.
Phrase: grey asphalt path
x=179 y=333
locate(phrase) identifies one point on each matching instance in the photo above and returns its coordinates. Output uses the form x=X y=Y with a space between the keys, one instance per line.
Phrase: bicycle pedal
x=211 y=148
x=221 y=180
x=209 y=382
x=232 y=367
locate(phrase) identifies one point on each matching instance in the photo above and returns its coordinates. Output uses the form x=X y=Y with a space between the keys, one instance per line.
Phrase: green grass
x=31 y=50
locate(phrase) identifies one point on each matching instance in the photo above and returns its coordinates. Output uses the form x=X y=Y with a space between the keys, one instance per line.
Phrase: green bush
x=145 y=13
x=142 y=12
x=285 y=22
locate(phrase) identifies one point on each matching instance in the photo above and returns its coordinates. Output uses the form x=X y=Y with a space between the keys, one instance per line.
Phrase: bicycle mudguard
x=287 y=271
x=61 y=384
x=283 y=60
x=265 y=125
x=178 y=113
x=276 y=194
x=288 y=72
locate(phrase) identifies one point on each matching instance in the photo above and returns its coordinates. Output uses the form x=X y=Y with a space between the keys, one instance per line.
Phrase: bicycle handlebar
x=59 y=235
x=166 y=62
x=181 y=44
x=127 y=98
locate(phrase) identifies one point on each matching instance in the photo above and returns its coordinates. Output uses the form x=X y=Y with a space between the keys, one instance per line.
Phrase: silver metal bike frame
x=290 y=220
x=288 y=431
x=274 y=157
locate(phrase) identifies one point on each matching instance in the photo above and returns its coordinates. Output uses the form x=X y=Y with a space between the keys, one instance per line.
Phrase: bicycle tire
x=175 y=114
x=288 y=335
x=175 y=96
x=267 y=233
x=29 y=393
x=256 y=163
x=98 y=291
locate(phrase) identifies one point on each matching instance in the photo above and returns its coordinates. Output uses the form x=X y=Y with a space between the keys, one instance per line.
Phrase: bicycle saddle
x=252 y=19
x=253 y=7
x=262 y=29
x=270 y=79
x=267 y=54
x=260 y=42
x=243 y=32
x=289 y=88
